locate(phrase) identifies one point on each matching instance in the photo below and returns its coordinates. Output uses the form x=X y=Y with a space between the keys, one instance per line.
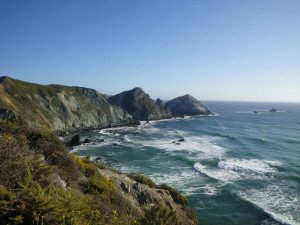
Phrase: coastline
x=269 y=218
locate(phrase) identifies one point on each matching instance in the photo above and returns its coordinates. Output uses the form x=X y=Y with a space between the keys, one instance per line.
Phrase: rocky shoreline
x=72 y=111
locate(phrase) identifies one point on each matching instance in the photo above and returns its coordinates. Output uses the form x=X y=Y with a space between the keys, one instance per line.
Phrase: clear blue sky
x=213 y=50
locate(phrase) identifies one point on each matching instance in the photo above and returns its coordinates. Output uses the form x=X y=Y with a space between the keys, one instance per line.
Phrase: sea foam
x=248 y=166
x=221 y=175
x=278 y=201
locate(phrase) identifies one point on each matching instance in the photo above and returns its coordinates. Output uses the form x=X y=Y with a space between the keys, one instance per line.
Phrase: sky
x=214 y=50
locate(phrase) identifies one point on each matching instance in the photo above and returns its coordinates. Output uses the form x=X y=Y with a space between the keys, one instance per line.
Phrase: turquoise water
x=237 y=167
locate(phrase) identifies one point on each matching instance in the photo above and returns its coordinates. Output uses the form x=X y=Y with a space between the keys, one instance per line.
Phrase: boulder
x=273 y=110
x=75 y=140
x=87 y=140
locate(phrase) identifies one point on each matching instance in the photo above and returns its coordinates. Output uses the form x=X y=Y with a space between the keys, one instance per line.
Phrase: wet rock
x=273 y=110
x=181 y=140
x=75 y=140
x=87 y=140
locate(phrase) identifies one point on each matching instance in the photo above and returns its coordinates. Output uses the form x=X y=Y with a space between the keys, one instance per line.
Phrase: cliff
x=137 y=103
x=59 y=107
x=187 y=105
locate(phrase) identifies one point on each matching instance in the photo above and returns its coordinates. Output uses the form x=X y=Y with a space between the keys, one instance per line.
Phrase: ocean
x=235 y=167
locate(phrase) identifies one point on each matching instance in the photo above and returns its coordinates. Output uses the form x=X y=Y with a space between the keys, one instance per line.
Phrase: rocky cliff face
x=138 y=195
x=187 y=105
x=137 y=103
x=59 y=107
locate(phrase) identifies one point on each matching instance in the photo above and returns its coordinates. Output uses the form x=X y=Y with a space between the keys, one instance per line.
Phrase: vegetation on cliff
x=60 y=107
x=40 y=183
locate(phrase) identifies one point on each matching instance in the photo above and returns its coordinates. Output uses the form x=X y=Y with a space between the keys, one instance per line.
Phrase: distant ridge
x=61 y=108
x=137 y=103
x=70 y=109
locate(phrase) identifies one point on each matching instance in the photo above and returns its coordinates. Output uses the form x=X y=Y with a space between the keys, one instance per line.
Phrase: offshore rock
x=138 y=104
x=187 y=105
x=75 y=140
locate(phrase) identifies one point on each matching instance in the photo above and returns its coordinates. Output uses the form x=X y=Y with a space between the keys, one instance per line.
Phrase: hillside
x=60 y=108
x=40 y=183
x=137 y=103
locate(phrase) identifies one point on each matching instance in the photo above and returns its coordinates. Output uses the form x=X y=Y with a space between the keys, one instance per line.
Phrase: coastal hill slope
x=41 y=183
x=137 y=103
x=187 y=105
x=58 y=107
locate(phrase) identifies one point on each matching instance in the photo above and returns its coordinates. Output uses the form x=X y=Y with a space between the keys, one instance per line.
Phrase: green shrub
x=159 y=214
x=99 y=184
x=144 y=180
x=180 y=199
x=101 y=165
x=5 y=194
x=177 y=197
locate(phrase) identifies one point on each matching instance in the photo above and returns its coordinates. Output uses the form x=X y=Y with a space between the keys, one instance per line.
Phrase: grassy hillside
x=60 y=107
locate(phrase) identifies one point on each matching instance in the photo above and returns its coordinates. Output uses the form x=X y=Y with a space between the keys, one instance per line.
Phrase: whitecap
x=280 y=202
x=199 y=168
x=206 y=189
x=248 y=166
x=126 y=140
x=221 y=175
x=90 y=146
x=177 y=179
x=205 y=146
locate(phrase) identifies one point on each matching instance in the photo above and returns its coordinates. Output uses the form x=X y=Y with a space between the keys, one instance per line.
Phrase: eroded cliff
x=60 y=107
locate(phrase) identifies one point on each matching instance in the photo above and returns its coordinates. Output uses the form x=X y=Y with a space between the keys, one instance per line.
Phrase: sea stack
x=187 y=105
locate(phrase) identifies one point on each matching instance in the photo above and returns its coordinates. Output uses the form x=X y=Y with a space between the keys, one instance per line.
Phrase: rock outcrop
x=138 y=194
x=137 y=103
x=60 y=108
x=187 y=105
x=7 y=114
x=162 y=106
